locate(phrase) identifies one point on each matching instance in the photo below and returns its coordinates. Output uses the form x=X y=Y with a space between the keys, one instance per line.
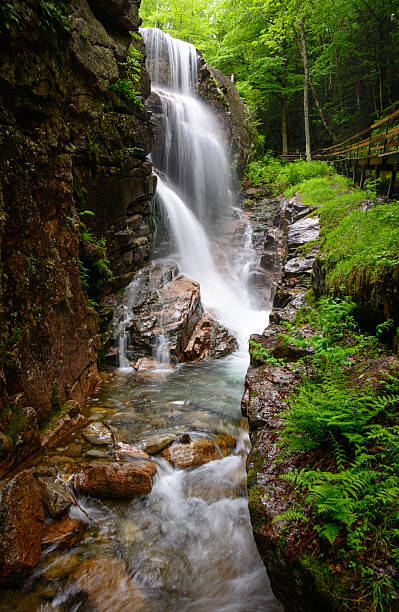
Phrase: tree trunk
x=321 y=112
x=284 y=131
x=306 y=92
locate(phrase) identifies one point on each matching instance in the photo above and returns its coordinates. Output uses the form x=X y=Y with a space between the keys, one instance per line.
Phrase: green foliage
x=94 y=267
x=353 y=493
x=261 y=354
x=283 y=175
x=8 y=16
x=128 y=85
x=52 y=16
x=365 y=241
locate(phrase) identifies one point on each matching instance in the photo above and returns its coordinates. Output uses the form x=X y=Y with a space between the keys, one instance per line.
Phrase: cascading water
x=188 y=545
x=197 y=191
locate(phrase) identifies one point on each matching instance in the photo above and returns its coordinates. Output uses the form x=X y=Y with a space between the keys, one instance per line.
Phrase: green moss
x=252 y=476
x=16 y=424
x=256 y=509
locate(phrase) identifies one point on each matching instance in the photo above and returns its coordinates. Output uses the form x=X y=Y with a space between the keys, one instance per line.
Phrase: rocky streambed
x=160 y=482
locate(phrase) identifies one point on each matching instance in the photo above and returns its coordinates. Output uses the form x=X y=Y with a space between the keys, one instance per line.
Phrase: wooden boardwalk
x=373 y=152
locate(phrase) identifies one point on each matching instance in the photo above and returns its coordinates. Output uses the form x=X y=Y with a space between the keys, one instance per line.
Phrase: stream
x=188 y=545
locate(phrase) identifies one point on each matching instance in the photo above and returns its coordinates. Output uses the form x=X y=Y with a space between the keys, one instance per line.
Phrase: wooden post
x=392 y=182
x=362 y=176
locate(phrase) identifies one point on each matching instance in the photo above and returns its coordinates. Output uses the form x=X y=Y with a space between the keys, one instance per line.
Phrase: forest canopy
x=344 y=51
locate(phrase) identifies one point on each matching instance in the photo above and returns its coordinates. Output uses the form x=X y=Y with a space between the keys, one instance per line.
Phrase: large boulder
x=116 y=479
x=209 y=339
x=21 y=526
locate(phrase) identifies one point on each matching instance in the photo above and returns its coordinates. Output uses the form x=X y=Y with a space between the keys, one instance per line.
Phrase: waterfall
x=196 y=189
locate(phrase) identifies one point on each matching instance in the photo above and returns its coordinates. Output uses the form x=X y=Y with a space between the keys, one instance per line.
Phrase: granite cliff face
x=71 y=141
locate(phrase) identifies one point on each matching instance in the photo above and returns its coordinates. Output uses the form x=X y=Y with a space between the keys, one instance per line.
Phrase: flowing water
x=188 y=545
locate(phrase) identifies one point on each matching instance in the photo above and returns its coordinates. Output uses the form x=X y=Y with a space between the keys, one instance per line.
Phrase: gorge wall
x=71 y=141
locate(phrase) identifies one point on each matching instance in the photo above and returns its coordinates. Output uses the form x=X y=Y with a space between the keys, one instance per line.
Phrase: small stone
x=184 y=439
x=65 y=532
x=74 y=450
x=95 y=453
x=55 y=498
x=97 y=434
x=61 y=567
x=156 y=444
x=128 y=450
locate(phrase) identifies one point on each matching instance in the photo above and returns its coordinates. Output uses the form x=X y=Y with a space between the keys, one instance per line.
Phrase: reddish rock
x=21 y=526
x=112 y=479
x=192 y=454
x=108 y=586
x=62 y=430
x=64 y=532
x=209 y=339
x=128 y=450
x=55 y=498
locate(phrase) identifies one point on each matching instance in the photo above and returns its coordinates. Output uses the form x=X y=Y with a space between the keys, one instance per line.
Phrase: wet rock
x=95 y=453
x=146 y=364
x=74 y=450
x=63 y=533
x=156 y=444
x=63 y=429
x=184 y=439
x=108 y=586
x=61 y=567
x=97 y=434
x=130 y=451
x=300 y=265
x=55 y=498
x=303 y=231
x=192 y=454
x=21 y=526
x=209 y=340
x=112 y=479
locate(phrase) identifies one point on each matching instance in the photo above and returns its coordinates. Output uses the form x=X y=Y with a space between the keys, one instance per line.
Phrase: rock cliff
x=73 y=139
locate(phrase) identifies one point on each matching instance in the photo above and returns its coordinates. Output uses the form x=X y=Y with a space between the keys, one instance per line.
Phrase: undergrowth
x=359 y=233
x=350 y=496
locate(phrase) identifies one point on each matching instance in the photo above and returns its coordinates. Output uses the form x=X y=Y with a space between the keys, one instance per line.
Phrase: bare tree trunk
x=305 y=91
x=284 y=131
x=321 y=112
x=315 y=96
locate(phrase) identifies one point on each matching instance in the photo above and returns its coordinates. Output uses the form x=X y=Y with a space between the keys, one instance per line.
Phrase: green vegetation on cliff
x=341 y=421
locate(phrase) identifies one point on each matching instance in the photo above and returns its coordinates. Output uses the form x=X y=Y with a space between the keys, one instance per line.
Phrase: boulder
x=303 y=231
x=55 y=498
x=21 y=526
x=62 y=430
x=63 y=533
x=193 y=454
x=115 y=479
x=108 y=586
x=156 y=444
x=209 y=339
x=97 y=434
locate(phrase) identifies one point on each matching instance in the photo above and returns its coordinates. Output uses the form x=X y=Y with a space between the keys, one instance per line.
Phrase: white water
x=197 y=191
x=227 y=299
